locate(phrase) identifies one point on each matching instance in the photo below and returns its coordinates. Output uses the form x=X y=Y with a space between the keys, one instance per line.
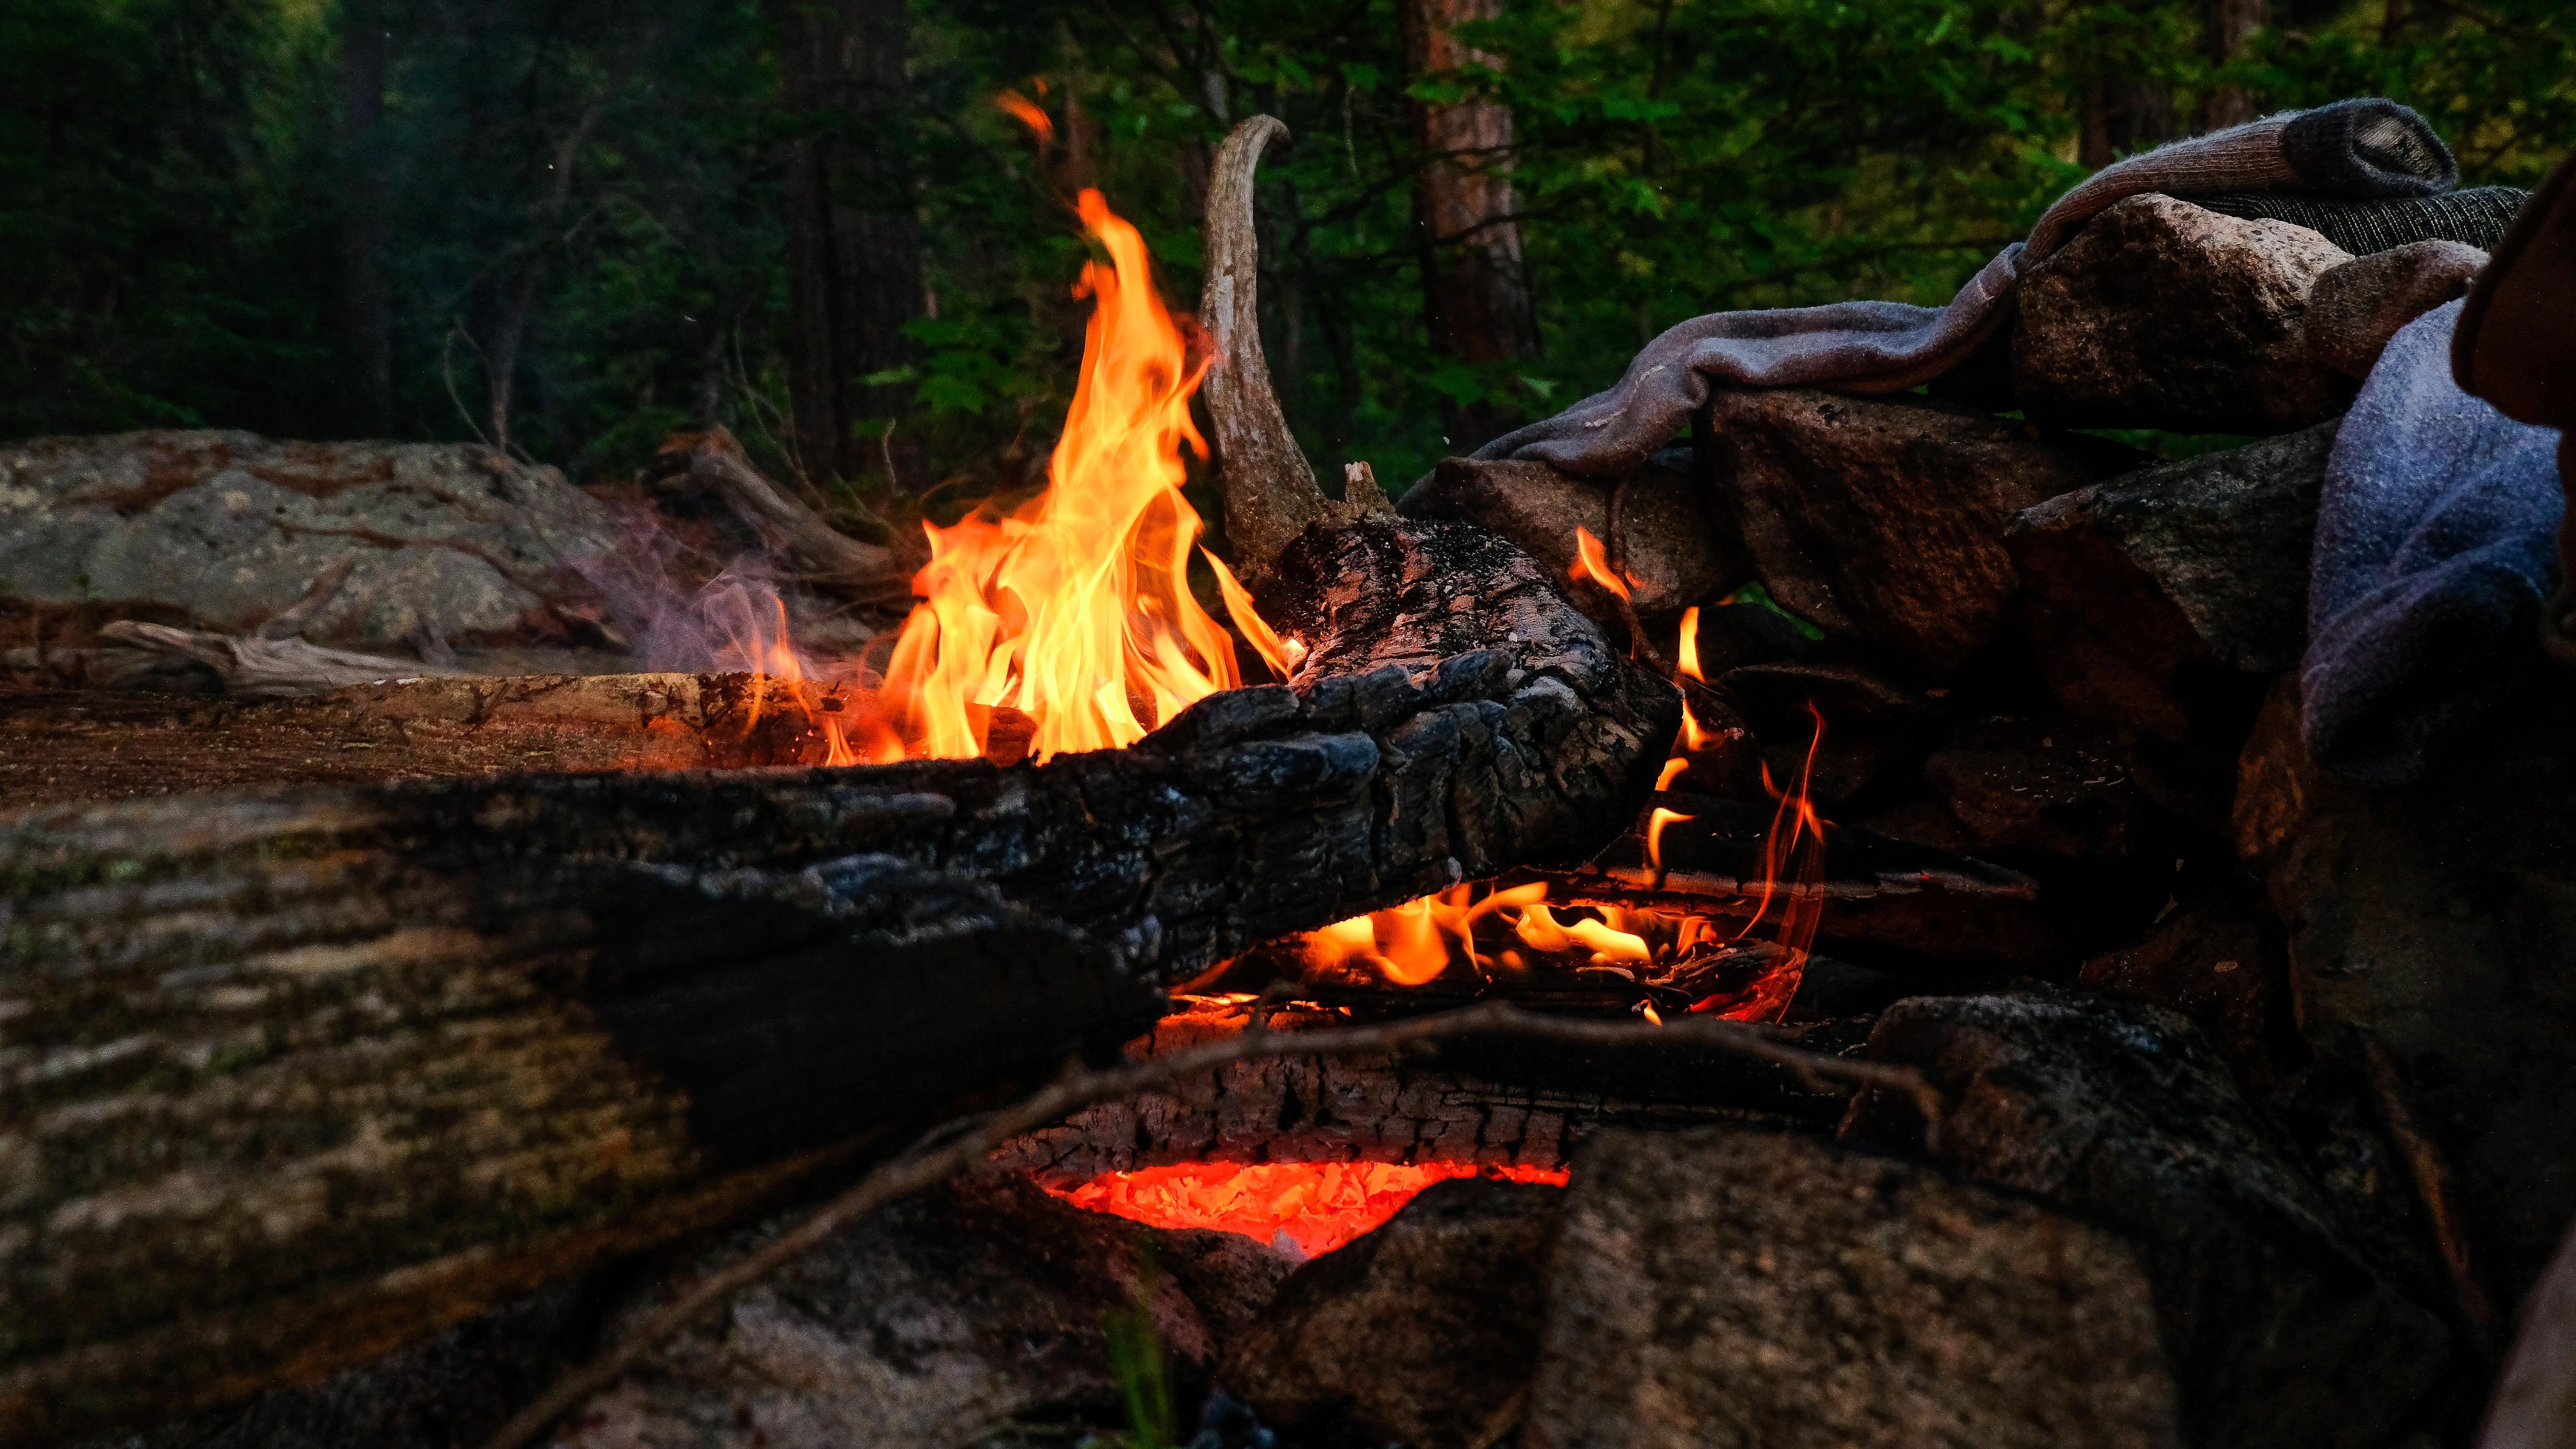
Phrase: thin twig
x=926 y=1166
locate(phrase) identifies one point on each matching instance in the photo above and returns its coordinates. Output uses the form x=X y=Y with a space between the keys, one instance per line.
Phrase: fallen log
x=290 y=1077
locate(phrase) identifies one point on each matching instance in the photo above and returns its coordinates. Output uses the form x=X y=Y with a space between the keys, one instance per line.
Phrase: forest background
x=570 y=227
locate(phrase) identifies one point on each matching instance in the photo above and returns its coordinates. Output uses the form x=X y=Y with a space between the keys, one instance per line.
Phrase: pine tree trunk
x=1475 y=286
x=2232 y=24
x=365 y=308
x=853 y=245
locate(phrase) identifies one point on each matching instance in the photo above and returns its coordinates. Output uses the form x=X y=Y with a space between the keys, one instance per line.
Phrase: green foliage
x=173 y=174
x=1142 y=1368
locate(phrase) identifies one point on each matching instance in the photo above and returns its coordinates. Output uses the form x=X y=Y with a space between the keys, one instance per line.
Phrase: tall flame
x=1076 y=610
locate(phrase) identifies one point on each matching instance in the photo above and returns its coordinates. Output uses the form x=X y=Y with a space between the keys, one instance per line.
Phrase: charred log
x=293 y=1076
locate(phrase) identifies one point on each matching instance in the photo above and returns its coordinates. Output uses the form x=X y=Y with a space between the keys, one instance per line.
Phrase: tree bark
x=853 y=245
x=365 y=305
x=288 y=1078
x=1475 y=285
x=2231 y=24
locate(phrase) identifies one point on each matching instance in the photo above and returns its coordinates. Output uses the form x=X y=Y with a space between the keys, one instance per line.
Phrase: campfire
x=1389 y=972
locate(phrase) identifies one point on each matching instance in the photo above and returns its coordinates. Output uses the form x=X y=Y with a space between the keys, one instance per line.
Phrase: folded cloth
x=2437 y=539
x=2476 y=217
x=2361 y=148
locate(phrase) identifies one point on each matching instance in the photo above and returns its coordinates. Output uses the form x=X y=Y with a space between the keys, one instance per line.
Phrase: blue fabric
x=2437 y=539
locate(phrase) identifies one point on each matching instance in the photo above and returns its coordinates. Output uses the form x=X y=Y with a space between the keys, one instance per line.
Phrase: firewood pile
x=2099 y=1071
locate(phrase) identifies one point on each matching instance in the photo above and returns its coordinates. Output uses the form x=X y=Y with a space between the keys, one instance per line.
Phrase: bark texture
x=1270 y=491
x=292 y=1077
x=853 y=245
x=1475 y=286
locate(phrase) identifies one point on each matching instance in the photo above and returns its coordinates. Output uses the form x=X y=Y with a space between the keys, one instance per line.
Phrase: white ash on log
x=2278 y=1330
x=642 y=998
x=2159 y=314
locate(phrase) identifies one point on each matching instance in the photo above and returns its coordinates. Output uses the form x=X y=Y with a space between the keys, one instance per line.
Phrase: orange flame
x=1076 y=610
x=1025 y=111
x=1793 y=873
x=1688 y=668
x=1308 y=1207
x=1590 y=562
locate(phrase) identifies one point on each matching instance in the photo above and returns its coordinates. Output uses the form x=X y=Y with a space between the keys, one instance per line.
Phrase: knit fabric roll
x=2359 y=149
x=2476 y=217
x=2437 y=537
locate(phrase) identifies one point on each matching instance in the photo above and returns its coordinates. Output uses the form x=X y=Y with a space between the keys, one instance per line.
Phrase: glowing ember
x=1305 y=1207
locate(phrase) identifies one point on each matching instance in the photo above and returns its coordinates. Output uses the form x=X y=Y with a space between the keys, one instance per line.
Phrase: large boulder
x=1423 y=1332
x=1730 y=1287
x=2281 y=1335
x=922 y=1327
x=2440 y=919
x=2159 y=314
x=1880 y=520
x=452 y=540
x=2166 y=600
x=1655 y=522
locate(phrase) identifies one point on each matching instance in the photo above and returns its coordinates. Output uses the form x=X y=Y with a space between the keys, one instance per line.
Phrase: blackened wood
x=289 y=1077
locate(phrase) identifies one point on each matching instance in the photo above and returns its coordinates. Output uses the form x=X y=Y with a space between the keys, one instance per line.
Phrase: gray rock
x=1736 y=1288
x=1880 y=521
x=1662 y=530
x=924 y=1326
x=1422 y=1332
x=2161 y=315
x=456 y=540
x=2358 y=305
x=2165 y=600
x=2441 y=917
x=2279 y=1334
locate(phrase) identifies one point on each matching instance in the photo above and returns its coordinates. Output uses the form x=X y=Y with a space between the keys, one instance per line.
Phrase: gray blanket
x=2361 y=149
x=2437 y=540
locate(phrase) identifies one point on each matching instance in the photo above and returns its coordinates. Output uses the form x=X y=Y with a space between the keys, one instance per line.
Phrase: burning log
x=504 y=1027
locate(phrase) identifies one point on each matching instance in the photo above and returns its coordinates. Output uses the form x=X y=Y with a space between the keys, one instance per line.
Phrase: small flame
x=1026 y=112
x=1653 y=1017
x=1688 y=668
x=1306 y=1207
x=1590 y=562
x=1655 y=823
x=1274 y=651
x=1793 y=872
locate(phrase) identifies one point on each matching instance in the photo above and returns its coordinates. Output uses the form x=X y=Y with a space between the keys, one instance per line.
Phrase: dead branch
x=862 y=572
x=252 y=665
x=1270 y=491
x=963 y=1144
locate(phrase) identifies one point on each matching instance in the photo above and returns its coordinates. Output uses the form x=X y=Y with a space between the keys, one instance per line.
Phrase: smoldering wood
x=1516 y=1103
x=294 y=1075
x=969 y=1144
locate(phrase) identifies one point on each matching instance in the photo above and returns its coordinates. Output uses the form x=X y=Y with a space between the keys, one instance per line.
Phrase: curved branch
x=1270 y=492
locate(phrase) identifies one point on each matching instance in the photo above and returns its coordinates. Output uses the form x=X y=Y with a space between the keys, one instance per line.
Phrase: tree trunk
x=853 y=245
x=366 y=311
x=1475 y=286
x=2232 y=23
